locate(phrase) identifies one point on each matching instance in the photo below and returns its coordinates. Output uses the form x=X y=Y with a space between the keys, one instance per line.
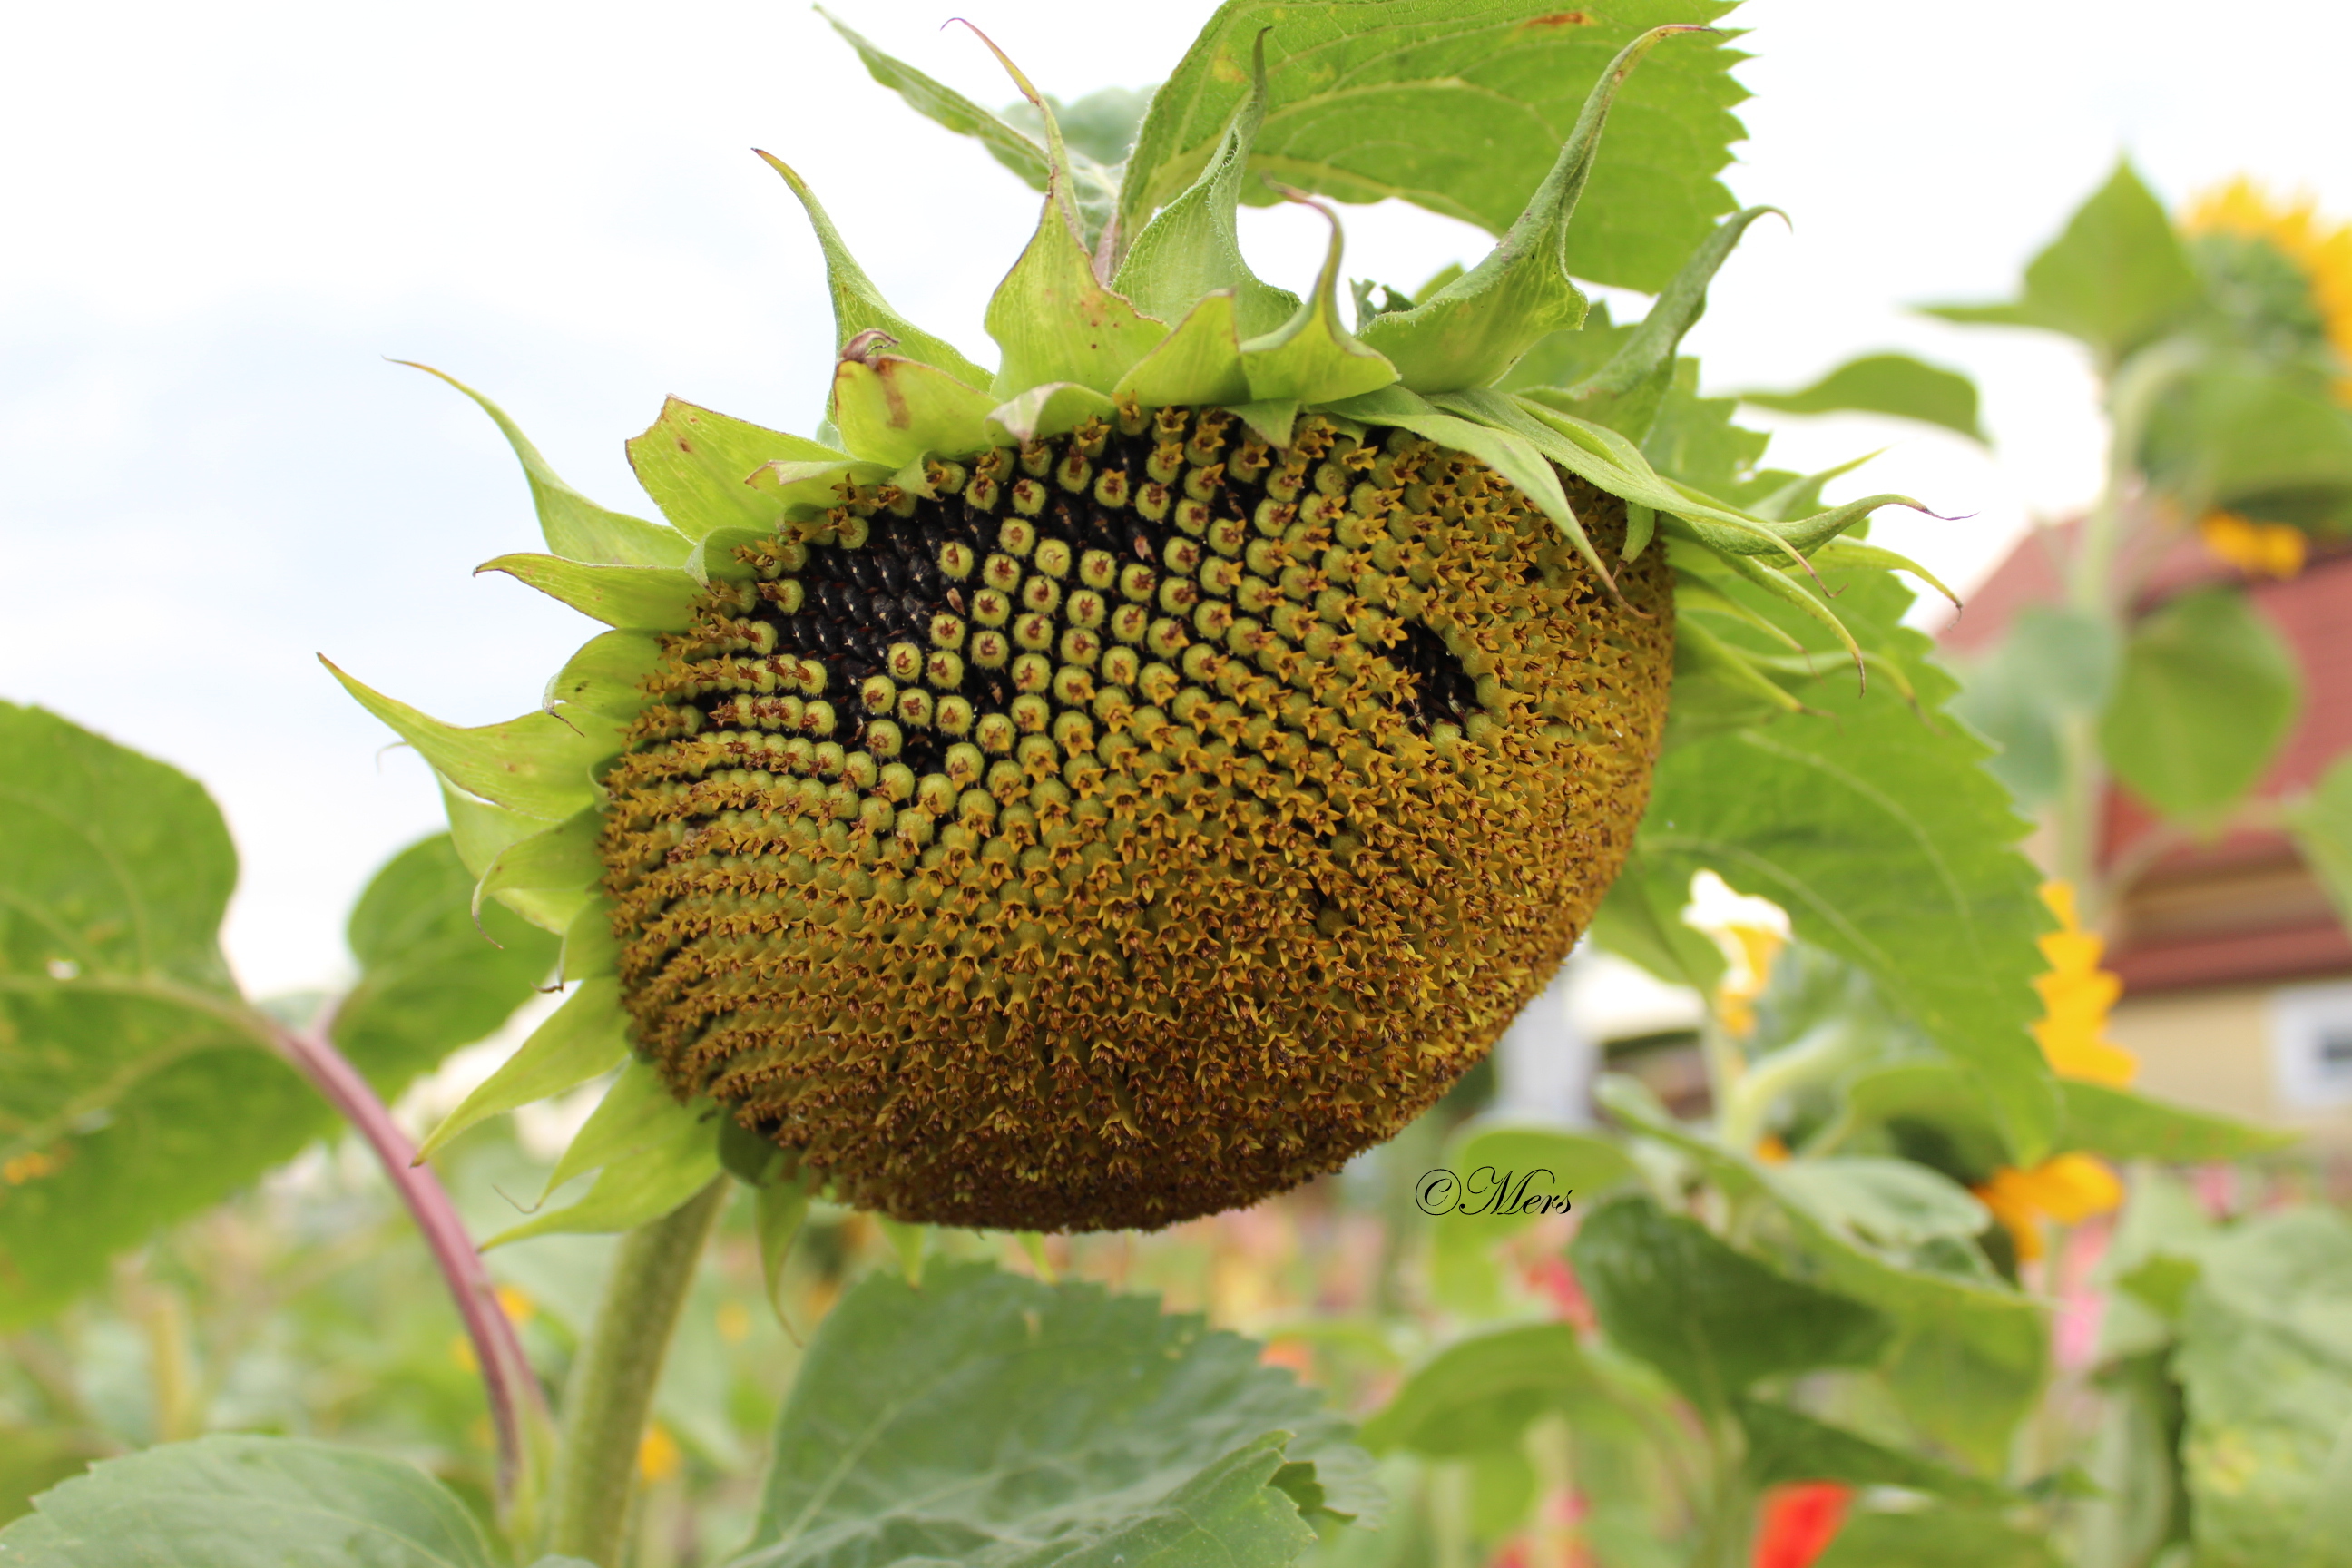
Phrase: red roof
x=2243 y=908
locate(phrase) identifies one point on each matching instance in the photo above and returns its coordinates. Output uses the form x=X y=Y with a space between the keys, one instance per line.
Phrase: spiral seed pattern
x=1144 y=822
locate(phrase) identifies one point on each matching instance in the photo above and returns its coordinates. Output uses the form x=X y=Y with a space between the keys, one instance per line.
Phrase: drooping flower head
x=1118 y=784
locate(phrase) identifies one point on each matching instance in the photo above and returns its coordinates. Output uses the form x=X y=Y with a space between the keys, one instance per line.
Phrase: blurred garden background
x=2149 y=475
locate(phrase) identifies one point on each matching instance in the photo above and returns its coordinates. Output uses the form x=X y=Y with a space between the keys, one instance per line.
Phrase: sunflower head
x=1123 y=783
x=2282 y=273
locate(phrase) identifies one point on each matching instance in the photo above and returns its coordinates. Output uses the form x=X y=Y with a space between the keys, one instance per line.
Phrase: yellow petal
x=2059 y=896
x=659 y=1457
x=2071 y=1188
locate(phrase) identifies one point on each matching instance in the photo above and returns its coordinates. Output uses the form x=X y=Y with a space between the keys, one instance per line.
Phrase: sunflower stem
x=517 y=1406
x=612 y=1385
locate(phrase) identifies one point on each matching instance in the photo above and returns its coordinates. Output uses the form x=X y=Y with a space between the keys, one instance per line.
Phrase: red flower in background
x=1799 y=1523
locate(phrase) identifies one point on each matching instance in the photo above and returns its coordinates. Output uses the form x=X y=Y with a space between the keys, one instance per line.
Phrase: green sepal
x=590 y=948
x=1847 y=553
x=780 y=1210
x=638 y=1110
x=575 y=527
x=895 y=411
x=1473 y=426
x=548 y=877
x=654 y=1154
x=632 y=598
x=1311 y=358
x=817 y=484
x=636 y=1189
x=1782 y=586
x=590 y=951
x=696 y=466
x=542 y=764
x=479 y=830
x=1700 y=655
x=1625 y=392
x=603 y=677
x=1606 y=458
x=1197 y=366
x=858 y=306
x=714 y=555
x=1191 y=248
x=1476 y=326
x=1272 y=419
x=1056 y=321
x=1694 y=595
x=584 y=1038
x=1054 y=409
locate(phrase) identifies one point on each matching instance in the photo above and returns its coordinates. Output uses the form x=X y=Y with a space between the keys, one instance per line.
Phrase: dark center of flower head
x=1147 y=820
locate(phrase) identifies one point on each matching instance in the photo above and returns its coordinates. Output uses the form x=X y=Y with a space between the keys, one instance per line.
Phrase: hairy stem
x=517 y=1407
x=613 y=1381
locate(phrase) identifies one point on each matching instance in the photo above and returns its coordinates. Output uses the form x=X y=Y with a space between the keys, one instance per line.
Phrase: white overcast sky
x=219 y=217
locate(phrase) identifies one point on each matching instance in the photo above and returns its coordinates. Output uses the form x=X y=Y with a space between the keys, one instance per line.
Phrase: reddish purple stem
x=512 y=1387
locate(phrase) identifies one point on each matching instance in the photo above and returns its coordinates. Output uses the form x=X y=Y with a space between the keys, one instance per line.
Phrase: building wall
x=2278 y=1054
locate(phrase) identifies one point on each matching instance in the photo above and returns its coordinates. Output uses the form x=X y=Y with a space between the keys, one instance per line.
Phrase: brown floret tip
x=1148 y=821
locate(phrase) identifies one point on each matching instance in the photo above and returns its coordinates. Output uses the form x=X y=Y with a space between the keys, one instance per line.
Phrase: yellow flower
x=734 y=1322
x=659 y=1457
x=2257 y=549
x=517 y=1304
x=2076 y=995
x=2069 y=1189
x=2320 y=252
x=1772 y=1149
x=30 y=1167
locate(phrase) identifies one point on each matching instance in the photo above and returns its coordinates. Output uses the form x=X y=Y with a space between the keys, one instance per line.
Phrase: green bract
x=1131 y=312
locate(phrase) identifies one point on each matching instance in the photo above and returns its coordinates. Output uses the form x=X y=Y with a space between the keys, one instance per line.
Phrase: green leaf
x=2265 y=1358
x=1463 y=111
x=136 y=1085
x=584 y=1038
x=1935 y=1538
x=990 y=1420
x=2053 y=667
x=1472 y=331
x=575 y=527
x=1887 y=383
x=431 y=979
x=1096 y=191
x=1499 y=1178
x=1483 y=1390
x=1888 y=845
x=2243 y=435
x=2208 y=694
x=2115 y=278
x=1712 y=1319
x=541 y=765
x=634 y=598
x=898 y=411
x=1784 y=1444
x=2321 y=823
x=250 y=1502
x=858 y=306
x=2123 y=1125
x=1970 y=1361
x=697 y=465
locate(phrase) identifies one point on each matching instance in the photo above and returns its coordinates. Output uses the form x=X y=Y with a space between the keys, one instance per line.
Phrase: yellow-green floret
x=1147 y=822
